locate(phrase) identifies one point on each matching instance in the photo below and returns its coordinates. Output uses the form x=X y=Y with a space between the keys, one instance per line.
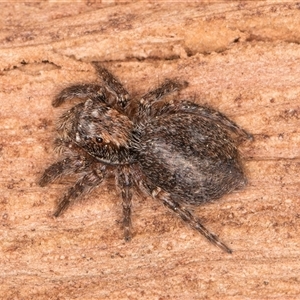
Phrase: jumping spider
x=180 y=153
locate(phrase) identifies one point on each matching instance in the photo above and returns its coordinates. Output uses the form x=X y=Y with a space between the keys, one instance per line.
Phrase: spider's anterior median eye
x=99 y=139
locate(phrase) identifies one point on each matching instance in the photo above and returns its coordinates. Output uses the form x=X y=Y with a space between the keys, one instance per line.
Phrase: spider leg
x=146 y=102
x=81 y=91
x=60 y=168
x=169 y=86
x=113 y=86
x=185 y=106
x=82 y=186
x=124 y=181
x=187 y=216
x=212 y=114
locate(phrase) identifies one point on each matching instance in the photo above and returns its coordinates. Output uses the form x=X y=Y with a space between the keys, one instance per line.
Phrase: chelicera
x=177 y=151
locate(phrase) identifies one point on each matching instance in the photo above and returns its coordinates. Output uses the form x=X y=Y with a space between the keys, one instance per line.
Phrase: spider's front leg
x=113 y=86
x=80 y=91
x=68 y=165
x=111 y=92
x=188 y=217
x=125 y=182
x=83 y=186
x=78 y=164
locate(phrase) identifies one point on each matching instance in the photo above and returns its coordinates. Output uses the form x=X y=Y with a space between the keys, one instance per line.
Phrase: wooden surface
x=241 y=58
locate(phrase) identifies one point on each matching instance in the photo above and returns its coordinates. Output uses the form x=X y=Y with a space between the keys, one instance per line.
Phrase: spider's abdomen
x=191 y=157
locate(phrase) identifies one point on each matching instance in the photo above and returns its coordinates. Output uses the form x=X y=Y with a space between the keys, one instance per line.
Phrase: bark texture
x=242 y=58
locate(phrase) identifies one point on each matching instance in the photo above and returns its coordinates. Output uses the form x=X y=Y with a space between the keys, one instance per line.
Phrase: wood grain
x=242 y=58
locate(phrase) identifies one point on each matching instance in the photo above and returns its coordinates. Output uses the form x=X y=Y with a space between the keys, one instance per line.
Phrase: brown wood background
x=243 y=58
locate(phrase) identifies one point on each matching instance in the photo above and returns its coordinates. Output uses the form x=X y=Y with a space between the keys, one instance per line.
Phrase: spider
x=177 y=151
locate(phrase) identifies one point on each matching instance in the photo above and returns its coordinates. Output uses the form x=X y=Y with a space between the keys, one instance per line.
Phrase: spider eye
x=99 y=139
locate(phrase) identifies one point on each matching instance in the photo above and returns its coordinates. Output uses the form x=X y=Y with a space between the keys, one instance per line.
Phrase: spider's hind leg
x=208 y=113
x=211 y=114
x=188 y=217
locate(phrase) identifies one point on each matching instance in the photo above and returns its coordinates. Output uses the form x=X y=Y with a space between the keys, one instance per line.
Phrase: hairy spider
x=180 y=153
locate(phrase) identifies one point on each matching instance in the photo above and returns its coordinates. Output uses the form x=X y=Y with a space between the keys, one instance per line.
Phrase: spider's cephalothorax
x=179 y=152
